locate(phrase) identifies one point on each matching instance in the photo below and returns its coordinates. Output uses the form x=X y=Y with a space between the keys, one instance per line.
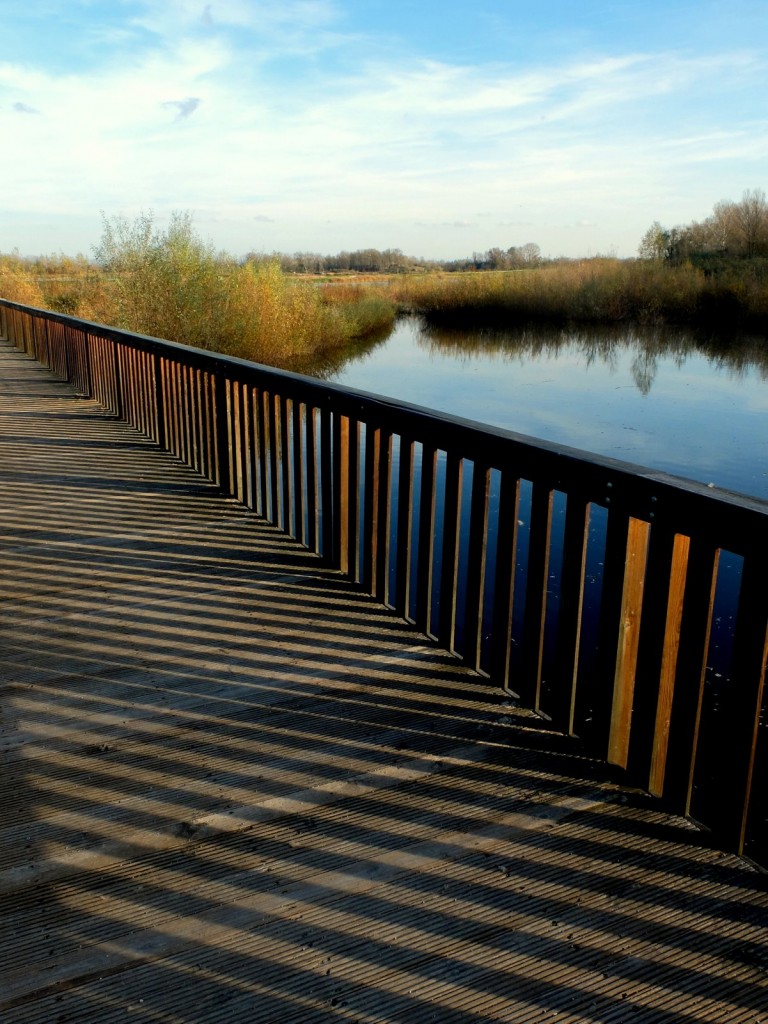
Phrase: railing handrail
x=593 y=589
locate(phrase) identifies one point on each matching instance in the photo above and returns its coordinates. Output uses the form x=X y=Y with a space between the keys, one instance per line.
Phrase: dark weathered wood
x=562 y=692
x=271 y=400
x=688 y=690
x=477 y=545
x=221 y=419
x=426 y=553
x=595 y=725
x=326 y=485
x=353 y=502
x=341 y=492
x=657 y=656
x=371 y=507
x=537 y=575
x=449 y=572
x=743 y=706
x=299 y=478
x=504 y=583
x=383 y=518
x=402 y=601
x=632 y=688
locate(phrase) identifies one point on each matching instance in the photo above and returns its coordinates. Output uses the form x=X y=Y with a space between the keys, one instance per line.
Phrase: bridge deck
x=235 y=790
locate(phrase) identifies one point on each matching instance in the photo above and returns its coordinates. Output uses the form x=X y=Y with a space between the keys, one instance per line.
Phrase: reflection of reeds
x=591 y=291
x=601 y=344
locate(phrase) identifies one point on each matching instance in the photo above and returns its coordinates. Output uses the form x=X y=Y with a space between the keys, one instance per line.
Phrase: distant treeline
x=395 y=261
x=733 y=232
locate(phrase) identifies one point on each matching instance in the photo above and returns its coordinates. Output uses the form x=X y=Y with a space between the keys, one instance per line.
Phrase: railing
x=627 y=607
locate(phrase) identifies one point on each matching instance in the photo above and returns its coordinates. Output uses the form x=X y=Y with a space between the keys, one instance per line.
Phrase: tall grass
x=174 y=285
x=591 y=291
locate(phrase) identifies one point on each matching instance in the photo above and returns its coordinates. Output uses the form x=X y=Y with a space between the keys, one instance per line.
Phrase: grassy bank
x=173 y=285
x=592 y=291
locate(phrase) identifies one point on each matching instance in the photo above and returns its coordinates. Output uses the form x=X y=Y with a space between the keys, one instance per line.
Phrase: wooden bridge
x=241 y=783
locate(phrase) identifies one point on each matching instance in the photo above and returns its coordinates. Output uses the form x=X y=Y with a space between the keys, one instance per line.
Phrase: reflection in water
x=648 y=396
x=735 y=354
x=328 y=364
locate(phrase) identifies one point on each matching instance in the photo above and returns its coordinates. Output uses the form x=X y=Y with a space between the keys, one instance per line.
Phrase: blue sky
x=438 y=128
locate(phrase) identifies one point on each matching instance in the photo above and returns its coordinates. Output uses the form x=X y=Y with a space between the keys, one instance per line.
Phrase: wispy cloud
x=184 y=108
x=400 y=145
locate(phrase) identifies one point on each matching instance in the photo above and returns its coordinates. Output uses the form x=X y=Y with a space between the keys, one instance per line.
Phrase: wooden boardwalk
x=235 y=790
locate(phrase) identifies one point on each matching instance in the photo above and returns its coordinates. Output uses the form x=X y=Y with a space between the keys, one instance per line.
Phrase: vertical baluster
x=477 y=543
x=341 y=492
x=404 y=527
x=313 y=542
x=504 y=585
x=274 y=462
x=426 y=555
x=299 y=486
x=450 y=559
x=658 y=654
x=572 y=580
x=529 y=683
x=740 y=718
x=627 y=642
x=289 y=517
x=676 y=766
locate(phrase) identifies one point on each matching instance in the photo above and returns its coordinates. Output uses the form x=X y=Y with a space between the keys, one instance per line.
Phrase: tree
x=654 y=243
x=751 y=217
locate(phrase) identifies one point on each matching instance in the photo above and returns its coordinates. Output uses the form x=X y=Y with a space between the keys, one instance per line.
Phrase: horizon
x=325 y=126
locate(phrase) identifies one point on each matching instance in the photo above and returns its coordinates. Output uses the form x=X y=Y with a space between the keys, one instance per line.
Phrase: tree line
x=395 y=261
x=733 y=231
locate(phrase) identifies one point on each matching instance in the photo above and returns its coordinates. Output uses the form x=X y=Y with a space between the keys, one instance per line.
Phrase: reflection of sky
x=698 y=420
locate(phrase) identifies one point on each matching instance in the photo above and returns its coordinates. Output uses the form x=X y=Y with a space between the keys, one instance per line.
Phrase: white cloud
x=410 y=146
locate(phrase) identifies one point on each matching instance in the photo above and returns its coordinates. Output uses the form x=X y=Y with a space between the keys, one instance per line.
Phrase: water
x=665 y=398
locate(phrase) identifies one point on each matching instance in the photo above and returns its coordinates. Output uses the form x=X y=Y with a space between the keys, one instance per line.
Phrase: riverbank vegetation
x=290 y=310
x=174 y=285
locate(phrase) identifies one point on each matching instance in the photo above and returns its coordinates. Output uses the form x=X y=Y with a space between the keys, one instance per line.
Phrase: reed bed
x=591 y=291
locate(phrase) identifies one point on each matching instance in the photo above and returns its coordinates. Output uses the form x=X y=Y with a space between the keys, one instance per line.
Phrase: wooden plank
x=426 y=554
x=341 y=532
x=326 y=485
x=449 y=573
x=371 y=468
x=353 y=502
x=504 y=584
x=594 y=703
x=688 y=690
x=273 y=436
x=383 y=518
x=562 y=696
x=313 y=539
x=287 y=522
x=628 y=641
x=404 y=528
x=658 y=655
x=477 y=545
x=300 y=485
x=537 y=576
x=743 y=704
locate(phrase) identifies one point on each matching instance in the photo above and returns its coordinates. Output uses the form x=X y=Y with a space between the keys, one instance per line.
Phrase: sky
x=439 y=128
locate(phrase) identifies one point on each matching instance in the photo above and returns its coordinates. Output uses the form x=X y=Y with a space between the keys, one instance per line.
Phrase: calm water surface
x=667 y=399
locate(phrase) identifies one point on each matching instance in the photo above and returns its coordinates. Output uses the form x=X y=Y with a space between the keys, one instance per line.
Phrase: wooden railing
x=624 y=606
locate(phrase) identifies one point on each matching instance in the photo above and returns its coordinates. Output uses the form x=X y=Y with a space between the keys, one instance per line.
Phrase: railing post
x=119 y=403
x=157 y=372
x=222 y=433
x=88 y=380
